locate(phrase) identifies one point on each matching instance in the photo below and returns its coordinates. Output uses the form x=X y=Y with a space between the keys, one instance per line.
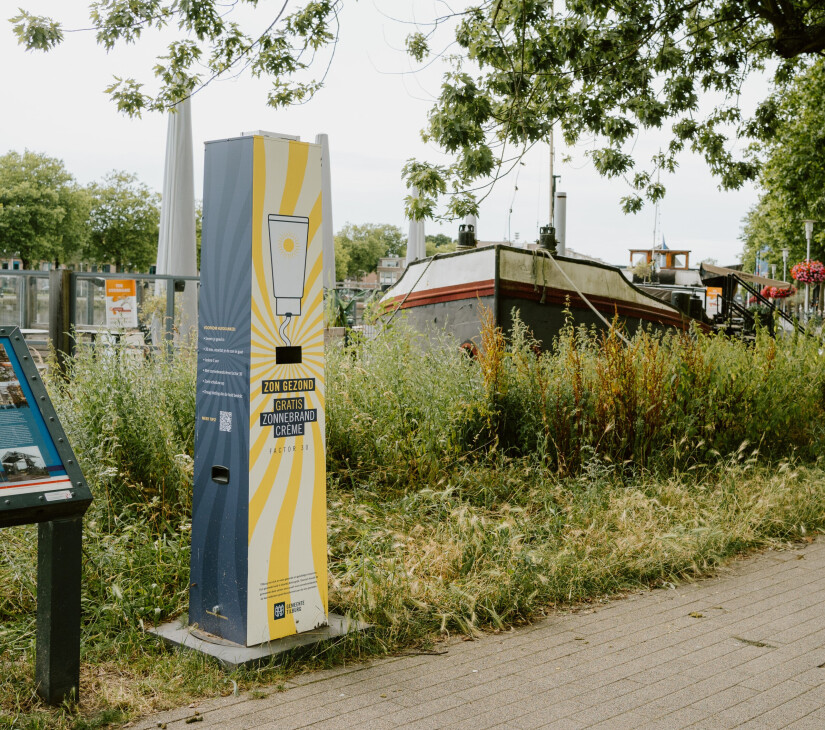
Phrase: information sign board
x=39 y=476
x=259 y=551
x=121 y=303
x=713 y=300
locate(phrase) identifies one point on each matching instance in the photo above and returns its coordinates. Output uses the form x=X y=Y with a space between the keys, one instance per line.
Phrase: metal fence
x=24 y=299
x=157 y=302
x=63 y=308
x=48 y=306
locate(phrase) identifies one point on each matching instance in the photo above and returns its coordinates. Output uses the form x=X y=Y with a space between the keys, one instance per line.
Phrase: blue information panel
x=28 y=457
x=39 y=476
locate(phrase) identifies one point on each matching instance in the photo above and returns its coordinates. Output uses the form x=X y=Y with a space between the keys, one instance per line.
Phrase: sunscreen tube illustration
x=288 y=236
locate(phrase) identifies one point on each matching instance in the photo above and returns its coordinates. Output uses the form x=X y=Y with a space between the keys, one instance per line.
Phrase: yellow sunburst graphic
x=288 y=245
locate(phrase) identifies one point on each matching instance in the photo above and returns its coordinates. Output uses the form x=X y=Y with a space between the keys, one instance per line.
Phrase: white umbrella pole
x=177 y=247
x=326 y=212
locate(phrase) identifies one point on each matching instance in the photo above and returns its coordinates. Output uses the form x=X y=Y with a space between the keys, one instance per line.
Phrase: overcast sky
x=372 y=107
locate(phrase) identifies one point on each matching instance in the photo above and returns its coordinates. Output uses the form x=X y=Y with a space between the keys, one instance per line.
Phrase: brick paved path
x=744 y=649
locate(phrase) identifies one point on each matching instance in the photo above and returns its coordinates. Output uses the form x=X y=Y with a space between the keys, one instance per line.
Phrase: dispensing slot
x=288 y=355
x=220 y=474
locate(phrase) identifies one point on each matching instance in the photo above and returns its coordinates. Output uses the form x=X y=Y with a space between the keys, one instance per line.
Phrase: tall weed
x=131 y=421
x=401 y=409
x=398 y=409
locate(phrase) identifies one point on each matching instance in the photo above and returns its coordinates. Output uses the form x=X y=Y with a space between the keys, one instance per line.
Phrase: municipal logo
x=280 y=610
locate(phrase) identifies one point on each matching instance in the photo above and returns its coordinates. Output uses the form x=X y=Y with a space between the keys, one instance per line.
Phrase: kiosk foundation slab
x=233 y=656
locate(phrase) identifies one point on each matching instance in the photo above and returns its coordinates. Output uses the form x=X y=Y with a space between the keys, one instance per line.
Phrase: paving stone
x=427 y=723
x=724 y=700
x=555 y=716
x=374 y=724
x=809 y=722
x=438 y=706
x=789 y=712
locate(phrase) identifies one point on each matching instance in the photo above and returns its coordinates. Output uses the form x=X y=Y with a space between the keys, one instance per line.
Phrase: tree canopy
x=43 y=212
x=124 y=222
x=359 y=247
x=606 y=70
x=439 y=243
x=210 y=42
x=793 y=177
x=599 y=70
x=45 y=215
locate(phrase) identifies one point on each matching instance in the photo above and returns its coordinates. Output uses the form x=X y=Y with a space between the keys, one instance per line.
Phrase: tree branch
x=792 y=36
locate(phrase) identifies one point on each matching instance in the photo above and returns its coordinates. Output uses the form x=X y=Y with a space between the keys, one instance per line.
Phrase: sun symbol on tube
x=288 y=245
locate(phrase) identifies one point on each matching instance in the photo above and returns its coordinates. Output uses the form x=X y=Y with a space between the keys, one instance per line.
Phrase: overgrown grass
x=463 y=495
x=439 y=560
x=132 y=423
x=663 y=401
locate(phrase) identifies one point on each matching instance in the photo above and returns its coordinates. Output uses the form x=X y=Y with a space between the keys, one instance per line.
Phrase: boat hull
x=448 y=294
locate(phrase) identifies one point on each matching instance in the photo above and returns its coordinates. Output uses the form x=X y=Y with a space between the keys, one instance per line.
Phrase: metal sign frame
x=53 y=501
x=57 y=502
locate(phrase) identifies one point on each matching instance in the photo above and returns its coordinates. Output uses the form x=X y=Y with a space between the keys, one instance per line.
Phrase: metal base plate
x=233 y=656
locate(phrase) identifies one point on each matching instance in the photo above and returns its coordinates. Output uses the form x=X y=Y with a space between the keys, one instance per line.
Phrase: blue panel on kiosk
x=218 y=583
x=39 y=476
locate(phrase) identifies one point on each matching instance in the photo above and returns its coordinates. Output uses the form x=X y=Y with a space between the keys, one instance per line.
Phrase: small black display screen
x=288 y=355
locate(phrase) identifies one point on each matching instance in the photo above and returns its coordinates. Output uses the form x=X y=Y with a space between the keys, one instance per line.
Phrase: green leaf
x=36 y=32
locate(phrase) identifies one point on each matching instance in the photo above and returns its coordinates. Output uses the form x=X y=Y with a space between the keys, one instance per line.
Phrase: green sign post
x=40 y=482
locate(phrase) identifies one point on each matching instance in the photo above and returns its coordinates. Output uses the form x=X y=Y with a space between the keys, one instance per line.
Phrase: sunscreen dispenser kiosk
x=259 y=548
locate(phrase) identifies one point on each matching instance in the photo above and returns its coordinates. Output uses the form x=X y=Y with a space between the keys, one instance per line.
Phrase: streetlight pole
x=809 y=229
x=785 y=252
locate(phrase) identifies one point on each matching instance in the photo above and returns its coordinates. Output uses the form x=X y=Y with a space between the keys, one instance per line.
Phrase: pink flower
x=809 y=272
x=775 y=292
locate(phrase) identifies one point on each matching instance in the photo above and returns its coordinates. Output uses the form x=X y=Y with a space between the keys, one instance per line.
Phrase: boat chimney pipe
x=561 y=223
x=471 y=220
x=547 y=239
x=416 y=241
x=467 y=233
x=466 y=237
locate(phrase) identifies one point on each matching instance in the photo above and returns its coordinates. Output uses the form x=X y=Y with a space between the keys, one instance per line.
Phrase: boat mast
x=547 y=234
x=656 y=224
x=552 y=182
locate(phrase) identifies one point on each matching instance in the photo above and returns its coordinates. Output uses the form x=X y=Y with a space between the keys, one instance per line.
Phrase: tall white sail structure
x=177 y=248
x=326 y=211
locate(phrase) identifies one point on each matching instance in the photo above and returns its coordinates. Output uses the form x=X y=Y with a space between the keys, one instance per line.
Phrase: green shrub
x=398 y=407
x=131 y=421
